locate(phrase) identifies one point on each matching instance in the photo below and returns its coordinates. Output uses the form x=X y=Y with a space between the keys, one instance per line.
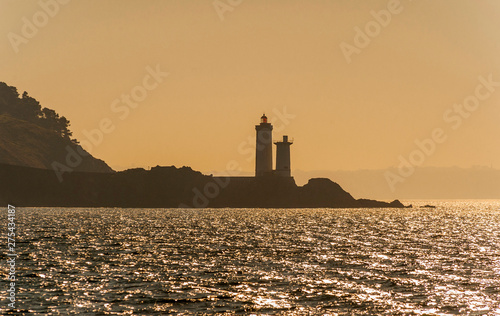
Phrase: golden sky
x=228 y=61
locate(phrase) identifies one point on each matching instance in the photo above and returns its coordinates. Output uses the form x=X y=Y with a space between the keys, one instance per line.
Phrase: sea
x=117 y=261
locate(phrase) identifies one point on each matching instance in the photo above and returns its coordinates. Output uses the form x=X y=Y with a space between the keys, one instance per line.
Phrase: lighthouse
x=283 y=157
x=264 y=149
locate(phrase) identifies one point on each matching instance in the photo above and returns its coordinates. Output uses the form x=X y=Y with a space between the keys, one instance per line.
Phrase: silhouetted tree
x=29 y=109
x=63 y=125
x=9 y=97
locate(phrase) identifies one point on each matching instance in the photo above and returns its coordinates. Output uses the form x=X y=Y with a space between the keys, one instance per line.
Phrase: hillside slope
x=26 y=144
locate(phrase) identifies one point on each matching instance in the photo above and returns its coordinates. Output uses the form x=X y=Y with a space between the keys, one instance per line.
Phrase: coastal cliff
x=168 y=187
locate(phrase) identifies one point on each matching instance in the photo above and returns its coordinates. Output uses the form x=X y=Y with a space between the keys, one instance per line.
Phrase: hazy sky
x=229 y=61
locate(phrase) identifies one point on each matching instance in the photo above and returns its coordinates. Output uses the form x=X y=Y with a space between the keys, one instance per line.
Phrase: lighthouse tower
x=283 y=157
x=264 y=149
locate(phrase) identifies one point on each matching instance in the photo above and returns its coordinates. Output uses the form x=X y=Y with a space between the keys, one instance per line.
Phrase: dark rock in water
x=428 y=206
x=373 y=203
x=170 y=187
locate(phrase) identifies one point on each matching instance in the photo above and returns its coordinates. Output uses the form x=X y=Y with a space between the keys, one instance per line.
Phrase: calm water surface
x=442 y=261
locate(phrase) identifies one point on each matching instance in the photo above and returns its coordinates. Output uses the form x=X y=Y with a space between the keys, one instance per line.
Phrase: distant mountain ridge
x=425 y=183
x=33 y=136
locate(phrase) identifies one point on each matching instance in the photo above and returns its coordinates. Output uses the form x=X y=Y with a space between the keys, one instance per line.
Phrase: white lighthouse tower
x=283 y=167
x=264 y=149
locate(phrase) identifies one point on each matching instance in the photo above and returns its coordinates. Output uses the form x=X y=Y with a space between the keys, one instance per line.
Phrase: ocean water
x=77 y=261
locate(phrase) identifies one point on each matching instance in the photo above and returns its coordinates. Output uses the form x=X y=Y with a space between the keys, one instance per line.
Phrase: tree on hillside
x=29 y=109
x=8 y=98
